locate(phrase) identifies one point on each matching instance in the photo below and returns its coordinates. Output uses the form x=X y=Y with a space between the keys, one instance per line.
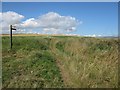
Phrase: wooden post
x=11 y=36
x=11 y=28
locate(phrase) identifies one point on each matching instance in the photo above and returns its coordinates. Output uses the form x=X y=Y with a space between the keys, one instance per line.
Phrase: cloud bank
x=9 y=18
x=94 y=35
x=50 y=22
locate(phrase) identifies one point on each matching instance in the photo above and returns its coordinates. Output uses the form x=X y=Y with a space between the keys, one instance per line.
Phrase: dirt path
x=60 y=62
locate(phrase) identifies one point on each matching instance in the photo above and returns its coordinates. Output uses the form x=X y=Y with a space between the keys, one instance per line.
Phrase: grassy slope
x=60 y=62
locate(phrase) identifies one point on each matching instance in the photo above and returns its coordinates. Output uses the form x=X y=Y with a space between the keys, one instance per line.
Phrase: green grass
x=29 y=64
x=59 y=61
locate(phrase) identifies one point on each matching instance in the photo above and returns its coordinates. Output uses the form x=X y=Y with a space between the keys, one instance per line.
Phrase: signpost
x=11 y=28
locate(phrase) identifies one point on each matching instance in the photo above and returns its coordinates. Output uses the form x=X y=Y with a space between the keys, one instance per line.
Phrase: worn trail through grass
x=86 y=61
x=59 y=61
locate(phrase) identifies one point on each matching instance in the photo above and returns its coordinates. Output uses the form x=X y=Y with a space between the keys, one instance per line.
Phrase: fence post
x=11 y=28
x=11 y=36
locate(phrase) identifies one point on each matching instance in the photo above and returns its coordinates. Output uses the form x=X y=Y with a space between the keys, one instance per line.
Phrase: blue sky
x=96 y=18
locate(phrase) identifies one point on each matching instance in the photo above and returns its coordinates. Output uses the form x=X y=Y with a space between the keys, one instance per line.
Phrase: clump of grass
x=60 y=46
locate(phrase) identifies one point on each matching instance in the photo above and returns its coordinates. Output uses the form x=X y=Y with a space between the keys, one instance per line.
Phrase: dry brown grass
x=83 y=64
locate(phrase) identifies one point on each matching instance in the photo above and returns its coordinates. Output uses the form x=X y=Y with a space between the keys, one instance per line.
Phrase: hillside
x=60 y=61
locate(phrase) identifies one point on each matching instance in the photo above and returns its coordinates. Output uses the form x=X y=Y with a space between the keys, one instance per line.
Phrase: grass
x=29 y=64
x=48 y=62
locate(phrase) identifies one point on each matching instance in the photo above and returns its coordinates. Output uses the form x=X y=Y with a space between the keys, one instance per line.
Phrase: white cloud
x=50 y=22
x=29 y=23
x=99 y=35
x=93 y=35
x=9 y=18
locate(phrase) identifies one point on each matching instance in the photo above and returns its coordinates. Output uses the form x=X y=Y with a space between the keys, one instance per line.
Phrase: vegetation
x=58 y=61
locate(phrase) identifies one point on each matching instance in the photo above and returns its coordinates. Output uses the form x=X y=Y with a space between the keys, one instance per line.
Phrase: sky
x=77 y=18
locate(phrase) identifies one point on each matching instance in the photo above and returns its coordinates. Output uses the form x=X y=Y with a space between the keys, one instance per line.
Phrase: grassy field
x=60 y=61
